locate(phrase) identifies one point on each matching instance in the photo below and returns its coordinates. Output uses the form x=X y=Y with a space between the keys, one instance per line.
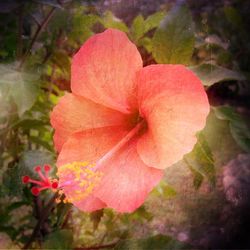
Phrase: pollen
x=78 y=179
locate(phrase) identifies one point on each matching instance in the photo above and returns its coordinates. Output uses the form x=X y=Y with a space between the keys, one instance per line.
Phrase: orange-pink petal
x=126 y=180
x=122 y=181
x=173 y=102
x=90 y=204
x=104 y=70
x=78 y=180
x=75 y=113
x=85 y=148
x=90 y=145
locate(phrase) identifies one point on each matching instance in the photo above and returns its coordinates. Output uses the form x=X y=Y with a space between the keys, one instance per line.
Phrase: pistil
x=44 y=183
x=121 y=143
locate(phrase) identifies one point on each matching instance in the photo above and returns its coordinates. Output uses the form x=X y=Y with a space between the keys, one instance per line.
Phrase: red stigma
x=25 y=179
x=35 y=191
x=54 y=185
x=47 y=168
x=43 y=183
x=37 y=168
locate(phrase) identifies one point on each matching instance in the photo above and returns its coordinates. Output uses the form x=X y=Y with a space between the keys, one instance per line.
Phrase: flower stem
x=38 y=32
x=44 y=215
x=121 y=143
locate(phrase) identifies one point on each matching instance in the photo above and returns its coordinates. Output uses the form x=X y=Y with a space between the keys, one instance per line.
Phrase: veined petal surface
x=104 y=70
x=173 y=102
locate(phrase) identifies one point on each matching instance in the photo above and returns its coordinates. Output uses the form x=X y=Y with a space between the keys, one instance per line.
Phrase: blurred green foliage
x=38 y=39
x=210 y=74
x=173 y=41
x=239 y=126
x=201 y=162
x=155 y=242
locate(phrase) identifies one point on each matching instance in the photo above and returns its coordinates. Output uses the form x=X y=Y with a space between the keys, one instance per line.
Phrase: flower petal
x=90 y=204
x=126 y=180
x=78 y=179
x=123 y=175
x=87 y=146
x=104 y=70
x=74 y=113
x=175 y=106
x=90 y=145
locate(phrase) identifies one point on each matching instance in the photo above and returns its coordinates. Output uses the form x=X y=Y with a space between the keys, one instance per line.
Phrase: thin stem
x=38 y=206
x=106 y=232
x=42 y=176
x=38 y=32
x=121 y=143
x=49 y=51
x=36 y=182
x=20 y=32
x=67 y=217
x=44 y=215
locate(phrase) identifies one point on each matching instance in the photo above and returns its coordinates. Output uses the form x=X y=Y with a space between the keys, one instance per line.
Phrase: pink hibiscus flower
x=123 y=124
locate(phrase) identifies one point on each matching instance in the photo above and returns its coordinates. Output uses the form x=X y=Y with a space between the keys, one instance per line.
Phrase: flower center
x=133 y=119
x=78 y=180
x=132 y=133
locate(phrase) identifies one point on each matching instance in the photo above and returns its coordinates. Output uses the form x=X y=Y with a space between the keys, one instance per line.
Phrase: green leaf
x=239 y=127
x=153 y=21
x=111 y=21
x=81 y=26
x=173 y=41
x=62 y=60
x=28 y=124
x=198 y=178
x=16 y=205
x=40 y=142
x=146 y=42
x=140 y=214
x=12 y=184
x=210 y=74
x=137 y=28
x=62 y=210
x=32 y=158
x=201 y=160
x=140 y=26
x=19 y=86
x=96 y=218
x=154 y=242
x=165 y=190
x=59 y=21
x=61 y=239
x=215 y=41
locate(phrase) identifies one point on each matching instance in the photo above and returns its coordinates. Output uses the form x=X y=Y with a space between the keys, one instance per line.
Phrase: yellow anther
x=83 y=183
x=83 y=175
